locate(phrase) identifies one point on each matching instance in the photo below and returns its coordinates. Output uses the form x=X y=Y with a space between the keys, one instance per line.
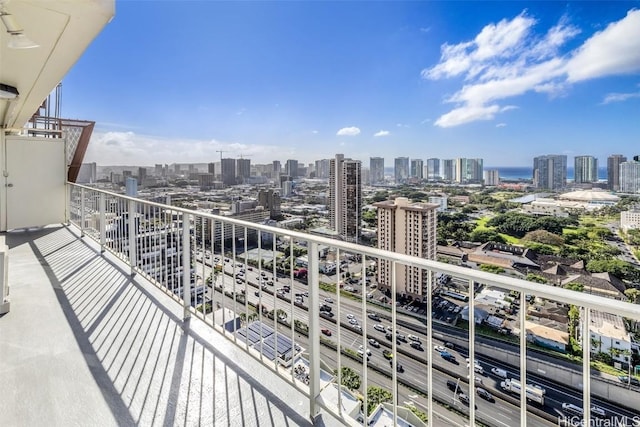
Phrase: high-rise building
x=322 y=168
x=142 y=176
x=613 y=171
x=416 y=168
x=636 y=158
x=345 y=197
x=448 y=169
x=176 y=169
x=211 y=168
x=131 y=186
x=88 y=173
x=550 y=171
x=469 y=171
x=291 y=168
x=270 y=201
x=630 y=177
x=243 y=171
x=376 y=167
x=228 y=171
x=406 y=228
x=585 y=169
x=492 y=177
x=157 y=171
x=276 y=168
x=433 y=168
x=401 y=169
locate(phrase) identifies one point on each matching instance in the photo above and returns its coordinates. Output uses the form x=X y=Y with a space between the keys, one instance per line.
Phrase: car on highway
x=485 y=394
x=374 y=316
x=389 y=336
x=411 y=337
x=374 y=343
x=439 y=348
x=326 y=331
x=453 y=386
x=399 y=368
x=353 y=321
x=378 y=327
x=625 y=380
x=362 y=349
x=499 y=372
x=328 y=300
x=400 y=337
x=350 y=316
x=387 y=354
x=415 y=344
x=598 y=411
x=570 y=408
x=464 y=398
x=448 y=357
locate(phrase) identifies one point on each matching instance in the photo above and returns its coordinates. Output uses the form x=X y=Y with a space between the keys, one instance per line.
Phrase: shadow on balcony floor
x=84 y=344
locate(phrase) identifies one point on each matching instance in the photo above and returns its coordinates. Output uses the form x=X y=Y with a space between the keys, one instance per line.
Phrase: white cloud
x=382 y=133
x=619 y=97
x=612 y=51
x=501 y=125
x=425 y=29
x=126 y=148
x=314 y=131
x=350 y=131
x=508 y=59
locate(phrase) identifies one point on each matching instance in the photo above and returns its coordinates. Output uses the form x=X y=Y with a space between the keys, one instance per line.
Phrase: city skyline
x=503 y=81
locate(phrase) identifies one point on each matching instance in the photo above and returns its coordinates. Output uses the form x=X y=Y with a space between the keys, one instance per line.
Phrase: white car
x=439 y=348
x=350 y=316
x=374 y=343
x=353 y=321
x=363 y=349
x=328 y=300
x=378 y=327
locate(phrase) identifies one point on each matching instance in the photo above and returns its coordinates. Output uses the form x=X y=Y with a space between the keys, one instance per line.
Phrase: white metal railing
x=209 y=262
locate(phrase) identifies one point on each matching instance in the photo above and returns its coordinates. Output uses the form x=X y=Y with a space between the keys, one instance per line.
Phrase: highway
x=501 y=412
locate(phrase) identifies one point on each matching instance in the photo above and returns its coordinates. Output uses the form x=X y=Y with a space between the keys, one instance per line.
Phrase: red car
x=327 y=332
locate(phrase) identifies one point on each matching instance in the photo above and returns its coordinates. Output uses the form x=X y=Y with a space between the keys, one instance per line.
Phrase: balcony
x=211 y=335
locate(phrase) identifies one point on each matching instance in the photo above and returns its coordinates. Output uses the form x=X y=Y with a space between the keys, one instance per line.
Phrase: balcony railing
x=264 y=289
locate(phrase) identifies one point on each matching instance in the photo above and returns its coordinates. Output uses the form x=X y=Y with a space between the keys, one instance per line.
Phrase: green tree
x=543 y=236
x=633 y=294
x=375 y=396
x=492 y=268
x=575 y=286
x=535 y=278
x=349 y=378
x=370 y=216
x=486 y=235
x=618 y=268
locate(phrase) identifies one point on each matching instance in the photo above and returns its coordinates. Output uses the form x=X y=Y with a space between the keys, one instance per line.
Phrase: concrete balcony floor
x=86 y=345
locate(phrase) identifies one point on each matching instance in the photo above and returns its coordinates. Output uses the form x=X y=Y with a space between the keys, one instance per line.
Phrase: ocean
x=514 y=172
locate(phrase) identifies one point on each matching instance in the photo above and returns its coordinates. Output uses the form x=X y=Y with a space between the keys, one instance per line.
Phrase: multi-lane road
x=501 y=412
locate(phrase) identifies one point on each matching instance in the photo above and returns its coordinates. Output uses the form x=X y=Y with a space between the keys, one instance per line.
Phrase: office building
x=142 y=176
x=550 y=172
x=376 y=170
x=270 y=201
x=630 y=177
x=228 y=171
x=613 y=171
x=492 y=177
x=291 y=168
x=88 y=173
x=345 y=197
x=131 y=186
x=448 y=170
x=243 y=172
x=406 y=228
x=416 y=168
x=433 y=169
x=585 y=169
x=401 y=169
x=469 y=171
x=322 y=168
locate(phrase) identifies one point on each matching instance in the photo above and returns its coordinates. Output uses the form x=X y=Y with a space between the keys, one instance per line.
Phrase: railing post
x=133 y=236
x=103 y=220
x=82 y=207
x=586 y=364
x=472 y=355
x=523 y=359
x=186 y=266
x=314 y=328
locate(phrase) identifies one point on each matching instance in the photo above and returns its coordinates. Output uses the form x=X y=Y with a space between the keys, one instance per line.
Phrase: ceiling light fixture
x=17 y=38
x=8 y=92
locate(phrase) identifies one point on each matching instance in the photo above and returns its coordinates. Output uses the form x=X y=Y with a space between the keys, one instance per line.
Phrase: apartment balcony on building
x=119 y=311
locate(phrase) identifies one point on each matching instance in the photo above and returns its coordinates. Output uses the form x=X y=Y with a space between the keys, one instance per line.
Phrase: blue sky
x=170 y=81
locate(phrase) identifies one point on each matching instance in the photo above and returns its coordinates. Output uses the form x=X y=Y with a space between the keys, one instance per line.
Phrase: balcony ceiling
x=63 y=29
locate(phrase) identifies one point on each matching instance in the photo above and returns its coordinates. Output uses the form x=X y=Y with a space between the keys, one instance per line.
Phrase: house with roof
x=609 y=334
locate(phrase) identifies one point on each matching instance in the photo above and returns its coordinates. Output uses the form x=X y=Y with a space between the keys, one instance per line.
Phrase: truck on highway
x=533 y=394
